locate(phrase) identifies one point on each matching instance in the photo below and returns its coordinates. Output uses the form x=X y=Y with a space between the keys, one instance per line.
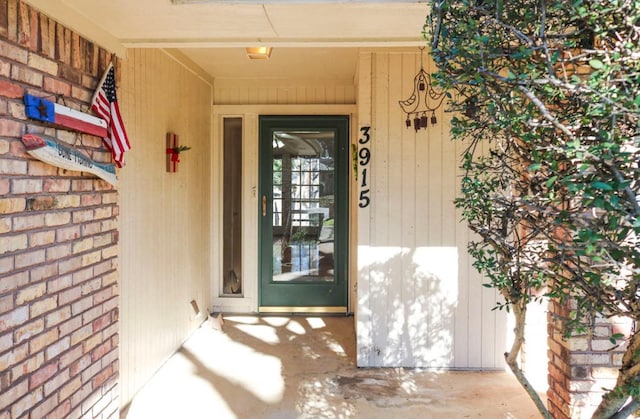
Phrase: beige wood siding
x=164 y=220
x=283 y=92
x=420 y=302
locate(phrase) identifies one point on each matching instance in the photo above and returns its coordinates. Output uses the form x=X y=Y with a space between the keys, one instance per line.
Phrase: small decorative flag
x=105 y=105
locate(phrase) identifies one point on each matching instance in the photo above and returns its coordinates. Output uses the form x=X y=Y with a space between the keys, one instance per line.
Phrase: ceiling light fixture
x=258 y=53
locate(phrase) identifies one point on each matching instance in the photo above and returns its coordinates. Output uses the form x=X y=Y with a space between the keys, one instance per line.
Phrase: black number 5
x=364 y=199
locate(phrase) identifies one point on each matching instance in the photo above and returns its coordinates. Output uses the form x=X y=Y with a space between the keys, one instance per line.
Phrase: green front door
x=303 y=213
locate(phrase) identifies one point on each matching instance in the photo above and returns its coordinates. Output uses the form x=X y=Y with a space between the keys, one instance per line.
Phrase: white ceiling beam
x=242 y=43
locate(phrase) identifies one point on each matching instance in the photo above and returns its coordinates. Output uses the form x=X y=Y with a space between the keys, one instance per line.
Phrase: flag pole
x=104 y=76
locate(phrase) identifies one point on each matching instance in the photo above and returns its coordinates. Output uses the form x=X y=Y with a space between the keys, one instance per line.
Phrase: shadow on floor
x=304 y=367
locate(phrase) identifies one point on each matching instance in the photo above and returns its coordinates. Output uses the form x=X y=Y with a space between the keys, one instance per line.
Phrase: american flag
x=105 y=105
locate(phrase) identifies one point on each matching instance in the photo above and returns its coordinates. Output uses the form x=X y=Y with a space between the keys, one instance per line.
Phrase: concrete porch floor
x=304 y=367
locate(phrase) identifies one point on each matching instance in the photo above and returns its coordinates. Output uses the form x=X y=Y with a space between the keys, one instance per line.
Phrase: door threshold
x=311 y=310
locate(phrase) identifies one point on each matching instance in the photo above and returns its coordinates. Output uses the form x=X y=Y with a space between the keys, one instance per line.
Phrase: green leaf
x=596 y=64
x=602 y=186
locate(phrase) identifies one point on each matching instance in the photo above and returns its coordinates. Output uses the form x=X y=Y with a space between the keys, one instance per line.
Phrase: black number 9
x=365 y=156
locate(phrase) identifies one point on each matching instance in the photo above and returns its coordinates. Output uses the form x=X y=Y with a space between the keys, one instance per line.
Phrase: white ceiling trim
x=279 y=42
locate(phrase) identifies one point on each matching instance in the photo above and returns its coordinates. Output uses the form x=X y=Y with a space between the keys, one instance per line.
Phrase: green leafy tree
x=547 y=98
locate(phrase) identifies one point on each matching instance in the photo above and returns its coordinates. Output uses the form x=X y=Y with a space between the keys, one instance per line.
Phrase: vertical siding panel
x=396 y=346
x=411 y=278
x=419 y=317
x=461 y=336
x=364 y=311
x=161 y=272
x=380 y=208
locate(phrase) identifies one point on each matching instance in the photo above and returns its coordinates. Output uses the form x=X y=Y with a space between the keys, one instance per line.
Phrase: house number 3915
x=364 y=157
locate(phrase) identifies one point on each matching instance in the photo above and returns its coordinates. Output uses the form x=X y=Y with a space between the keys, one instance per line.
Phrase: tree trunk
x=614 y=401
x=511 y=357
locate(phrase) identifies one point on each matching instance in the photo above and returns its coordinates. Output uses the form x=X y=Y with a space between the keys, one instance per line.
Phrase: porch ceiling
x=213 y=34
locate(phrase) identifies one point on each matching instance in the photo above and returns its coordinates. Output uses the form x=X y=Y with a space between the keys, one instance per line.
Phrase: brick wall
x=581 y=366
x=58 y=235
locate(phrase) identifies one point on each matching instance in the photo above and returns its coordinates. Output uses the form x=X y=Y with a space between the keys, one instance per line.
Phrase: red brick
x=13 y=357
x=13 y=318
x=94 y=257
x=81 y=305
x=28 y=330
x=83 y=216
x=27 y=75
x=17 y=111
x=40 y=203
x=26 y=403
x=58 y=283
x=31 y=293
x=12 y=52
x=45 y=407
x=90 y=315
x=13 y=243
x=18 y=149
x=5 y=68
x=57 y=185
x=80 y=365
x=57 y=86
x=101 y=322
x=4 y=186
x=71 y=294
x=29 y=259
x=43 y=306
x=58 y=252
x=12 y=167
x=57 y=348
x=70 y=265
x=103 y=295
x=6 y=265
x=52 y=385
x=82 y=185
x=61 y=411
x=68 y=389
x=6 y=225
x=100 y=351
x=42 y=341
x=101 y=377
x=28 y=222
x=38 y=168
x=6 y=303
x=12 y=205
x=91 y=228
x=42 y=238
x=27 y=367
x=13 y=393
x=67 y=233
x=43 y=374
x=12 y=282
x=11 y=128
x=90 y=200
x=84 y=95
x=11 y=90
x=58 y=316
x=43 y=64
x=26 y=186
x=81 y=334
x=70 y=326
x=6 y=341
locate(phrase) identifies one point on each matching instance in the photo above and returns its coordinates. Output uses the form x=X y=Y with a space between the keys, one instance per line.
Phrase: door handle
x=264 y=205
